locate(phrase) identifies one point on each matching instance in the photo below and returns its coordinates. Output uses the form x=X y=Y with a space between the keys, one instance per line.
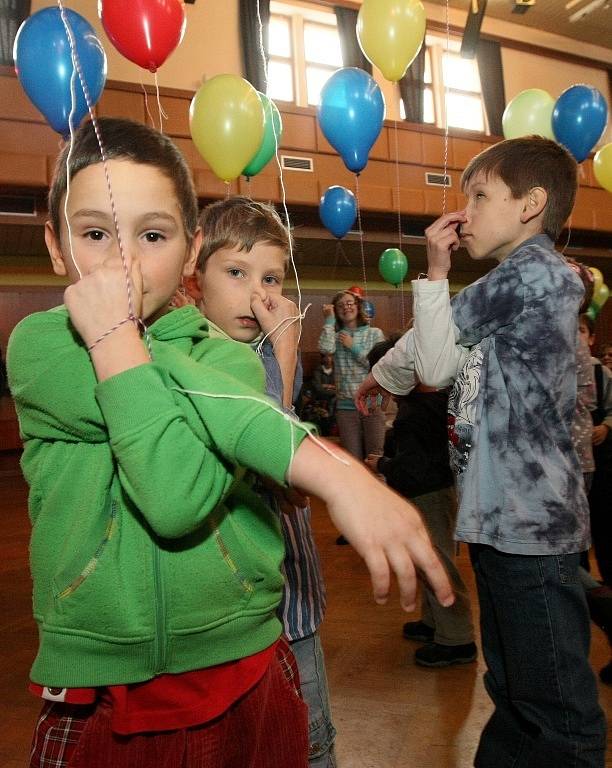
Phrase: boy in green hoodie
x=155 y=566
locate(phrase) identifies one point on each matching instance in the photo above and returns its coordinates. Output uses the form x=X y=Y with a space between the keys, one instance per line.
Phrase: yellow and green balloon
x=529 y=113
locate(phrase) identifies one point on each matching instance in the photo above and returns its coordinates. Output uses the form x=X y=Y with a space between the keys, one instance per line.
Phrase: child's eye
x=235 y=272
x=95 y=234
x=271 y=280
x=154 y=237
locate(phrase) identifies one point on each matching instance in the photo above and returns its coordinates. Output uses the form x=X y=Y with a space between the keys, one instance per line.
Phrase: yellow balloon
x=602 y=166
x=226 y=121
x=390 y=33
x=597 y=279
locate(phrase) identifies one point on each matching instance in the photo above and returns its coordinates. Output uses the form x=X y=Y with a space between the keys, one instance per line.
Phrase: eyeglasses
x=346 y=305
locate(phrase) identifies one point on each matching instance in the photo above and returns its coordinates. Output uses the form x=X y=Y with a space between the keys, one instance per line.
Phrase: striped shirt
x=350 y=364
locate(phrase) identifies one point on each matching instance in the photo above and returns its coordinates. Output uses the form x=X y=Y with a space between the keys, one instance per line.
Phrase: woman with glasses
x=348 y=335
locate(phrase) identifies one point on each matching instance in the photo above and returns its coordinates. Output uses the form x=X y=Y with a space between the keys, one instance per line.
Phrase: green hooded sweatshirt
x=149 y=553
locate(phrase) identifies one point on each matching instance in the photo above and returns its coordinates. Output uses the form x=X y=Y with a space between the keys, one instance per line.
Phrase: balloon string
x=446 y=92
x=402 y=307
x=76 y=63
x=397 y=184
x=146 y=101
x=363 y=264
x=280 y=171
x=162 y=115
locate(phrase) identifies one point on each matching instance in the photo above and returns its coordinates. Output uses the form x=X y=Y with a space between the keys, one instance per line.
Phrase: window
x=304 y=49
x=452 y=87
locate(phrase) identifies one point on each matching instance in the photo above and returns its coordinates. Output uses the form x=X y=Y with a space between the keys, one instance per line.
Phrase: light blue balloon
x=44 y=65
x=368 y=309
x=579 y=117
x=351 y=115
x=338 y=210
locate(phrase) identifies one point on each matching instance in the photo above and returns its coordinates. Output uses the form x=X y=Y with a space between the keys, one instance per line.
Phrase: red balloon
x=144 y=31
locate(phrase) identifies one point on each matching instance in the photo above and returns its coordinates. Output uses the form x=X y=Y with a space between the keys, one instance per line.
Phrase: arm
x=393 y=374
x=358 y=349
x=386 y=530
x=327 y=339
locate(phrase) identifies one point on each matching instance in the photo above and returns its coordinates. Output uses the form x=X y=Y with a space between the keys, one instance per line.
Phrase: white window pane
x=427 y=75
x=429 y=113
x=279 y=36
x=460 y=73
x=402 y=109
x=322 y=45
x=316 y=77
x=280 y=80
x=452 y=44
x=464 y=111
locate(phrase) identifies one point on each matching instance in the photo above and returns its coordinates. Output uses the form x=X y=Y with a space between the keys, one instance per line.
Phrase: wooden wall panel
x=23 y=170
x=299 y=132
x=125 y=104
x=177 y=111
x=433 y=151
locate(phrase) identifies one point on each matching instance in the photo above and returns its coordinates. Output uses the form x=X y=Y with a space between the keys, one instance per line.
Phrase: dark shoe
x=605 y=674
x=436 y=655
x=342 y=540
x=418 y=631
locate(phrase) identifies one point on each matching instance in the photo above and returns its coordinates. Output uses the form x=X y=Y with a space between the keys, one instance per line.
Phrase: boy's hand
x=384 y=529
x=371 y=461
x=600 y=433
x=368 y=393
x=181 y=299
x=270 y=313
x=328 y=310
x=99 y=300
x=442 y=239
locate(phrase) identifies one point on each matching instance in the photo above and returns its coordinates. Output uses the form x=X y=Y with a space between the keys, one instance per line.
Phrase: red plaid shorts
x=79 y=736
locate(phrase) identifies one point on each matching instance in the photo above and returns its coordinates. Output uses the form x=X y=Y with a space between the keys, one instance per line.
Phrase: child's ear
x=192 y=286
x=192 y=253
x=55 y=250
x=535 y=202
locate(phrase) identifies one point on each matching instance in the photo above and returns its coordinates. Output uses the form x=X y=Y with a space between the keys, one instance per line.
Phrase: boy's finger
x=438 y=225
x=401 y=563
x=433 y=570
x=380 y=575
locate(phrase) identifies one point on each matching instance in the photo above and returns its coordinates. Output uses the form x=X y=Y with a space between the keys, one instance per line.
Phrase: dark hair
x=361 y=317
x=589 y=322
x=588 y=281
x=380 y=349
x=532 y=161
x=126 y=140
x=240 y=222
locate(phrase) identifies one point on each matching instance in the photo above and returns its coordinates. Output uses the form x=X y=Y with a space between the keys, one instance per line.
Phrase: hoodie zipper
x=160 y=613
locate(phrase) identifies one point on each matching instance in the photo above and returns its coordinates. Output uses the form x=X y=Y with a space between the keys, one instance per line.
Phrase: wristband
x=130 y=318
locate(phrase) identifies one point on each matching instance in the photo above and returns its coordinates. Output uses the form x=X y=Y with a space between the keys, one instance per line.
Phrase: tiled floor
x=388 y=712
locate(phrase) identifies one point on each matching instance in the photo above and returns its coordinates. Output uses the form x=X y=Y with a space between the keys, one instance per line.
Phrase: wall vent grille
x=438 y=180
x=18 y=205
x=289 y=163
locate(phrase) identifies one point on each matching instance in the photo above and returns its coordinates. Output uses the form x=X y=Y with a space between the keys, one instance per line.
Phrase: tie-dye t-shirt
x=512 y=406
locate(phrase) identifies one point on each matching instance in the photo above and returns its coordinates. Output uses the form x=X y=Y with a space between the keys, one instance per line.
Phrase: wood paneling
x=114 y=103
x=23 y=170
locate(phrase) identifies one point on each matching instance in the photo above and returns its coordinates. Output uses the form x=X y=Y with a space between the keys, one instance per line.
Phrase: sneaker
x=436 y=655
x=605 y=674
x=342 y=540
x=418 y=631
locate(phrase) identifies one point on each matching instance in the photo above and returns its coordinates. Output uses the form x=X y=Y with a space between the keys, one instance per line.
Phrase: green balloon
x=530 y=112
x=592 y=312
x=393 y=265
x=273 y=125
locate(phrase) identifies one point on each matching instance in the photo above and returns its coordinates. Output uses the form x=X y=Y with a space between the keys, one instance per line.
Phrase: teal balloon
x=393 y=265
x=273 y=128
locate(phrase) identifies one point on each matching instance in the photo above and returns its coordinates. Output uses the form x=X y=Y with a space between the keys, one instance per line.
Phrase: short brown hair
x=527 y=162
x=126 y=140
x=240 y=222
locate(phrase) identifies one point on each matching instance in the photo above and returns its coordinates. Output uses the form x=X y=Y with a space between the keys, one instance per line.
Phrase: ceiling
x=552 y=16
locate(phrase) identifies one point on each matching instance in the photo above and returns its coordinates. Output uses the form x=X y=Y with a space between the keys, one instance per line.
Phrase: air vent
x=289 y=163
x=18 y=205
x=438 y=180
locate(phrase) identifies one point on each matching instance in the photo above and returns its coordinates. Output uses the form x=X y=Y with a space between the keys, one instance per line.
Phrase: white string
x=280 y=171
x=76 y=64
x=289 y=321
x=446 y=114
x=162 y=115
x=73 y=77
x=293 y=422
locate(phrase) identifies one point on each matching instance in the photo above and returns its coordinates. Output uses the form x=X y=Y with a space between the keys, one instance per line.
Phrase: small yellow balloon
x=529 y=112
x=602 y=166
x=226 y=121
x=597 y=279
x=391 y=33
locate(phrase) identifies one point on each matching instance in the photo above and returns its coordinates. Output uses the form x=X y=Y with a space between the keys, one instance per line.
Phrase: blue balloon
x=44 y=65
x=351 y=115
x=368 y=309
x=338 y=210
x=579 y=118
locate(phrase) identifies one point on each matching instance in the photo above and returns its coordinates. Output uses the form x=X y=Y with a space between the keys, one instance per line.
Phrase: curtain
x=488 y=56
x=12 y=13
x=352 y=55
x=252 y=63
x=412 y=87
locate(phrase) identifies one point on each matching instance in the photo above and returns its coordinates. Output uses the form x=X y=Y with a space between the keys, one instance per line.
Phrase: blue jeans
x=313 y=681
x=535 y=640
